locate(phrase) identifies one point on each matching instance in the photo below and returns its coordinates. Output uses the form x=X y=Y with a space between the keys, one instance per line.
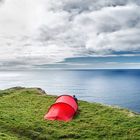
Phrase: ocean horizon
x=118 y=87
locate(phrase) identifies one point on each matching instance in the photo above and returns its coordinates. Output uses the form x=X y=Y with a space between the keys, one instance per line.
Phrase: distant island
x=22 y=111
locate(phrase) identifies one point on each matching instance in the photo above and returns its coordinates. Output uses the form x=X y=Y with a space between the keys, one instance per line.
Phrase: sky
x=69 y=34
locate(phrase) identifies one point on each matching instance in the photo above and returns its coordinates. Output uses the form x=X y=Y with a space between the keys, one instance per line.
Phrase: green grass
x=22 y=111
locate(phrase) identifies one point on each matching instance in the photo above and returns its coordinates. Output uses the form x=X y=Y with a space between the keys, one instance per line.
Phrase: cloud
x=49 y=31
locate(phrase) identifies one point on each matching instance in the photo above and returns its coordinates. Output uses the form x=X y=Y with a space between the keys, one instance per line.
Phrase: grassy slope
x=22 y=111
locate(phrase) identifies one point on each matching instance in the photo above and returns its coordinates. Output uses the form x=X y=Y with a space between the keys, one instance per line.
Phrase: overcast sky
x=65 y=33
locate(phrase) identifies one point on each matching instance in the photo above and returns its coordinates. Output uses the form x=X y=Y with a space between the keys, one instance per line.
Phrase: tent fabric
x=67 y=99
x=60 y=111
x=64 y=108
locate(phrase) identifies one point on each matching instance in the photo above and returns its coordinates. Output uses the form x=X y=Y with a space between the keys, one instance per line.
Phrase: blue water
x=112 y=87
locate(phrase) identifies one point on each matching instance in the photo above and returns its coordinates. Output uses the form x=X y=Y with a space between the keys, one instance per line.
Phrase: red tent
x=63 y=109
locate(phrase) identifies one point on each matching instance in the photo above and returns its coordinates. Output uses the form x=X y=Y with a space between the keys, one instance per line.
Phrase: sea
x=111 y=87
